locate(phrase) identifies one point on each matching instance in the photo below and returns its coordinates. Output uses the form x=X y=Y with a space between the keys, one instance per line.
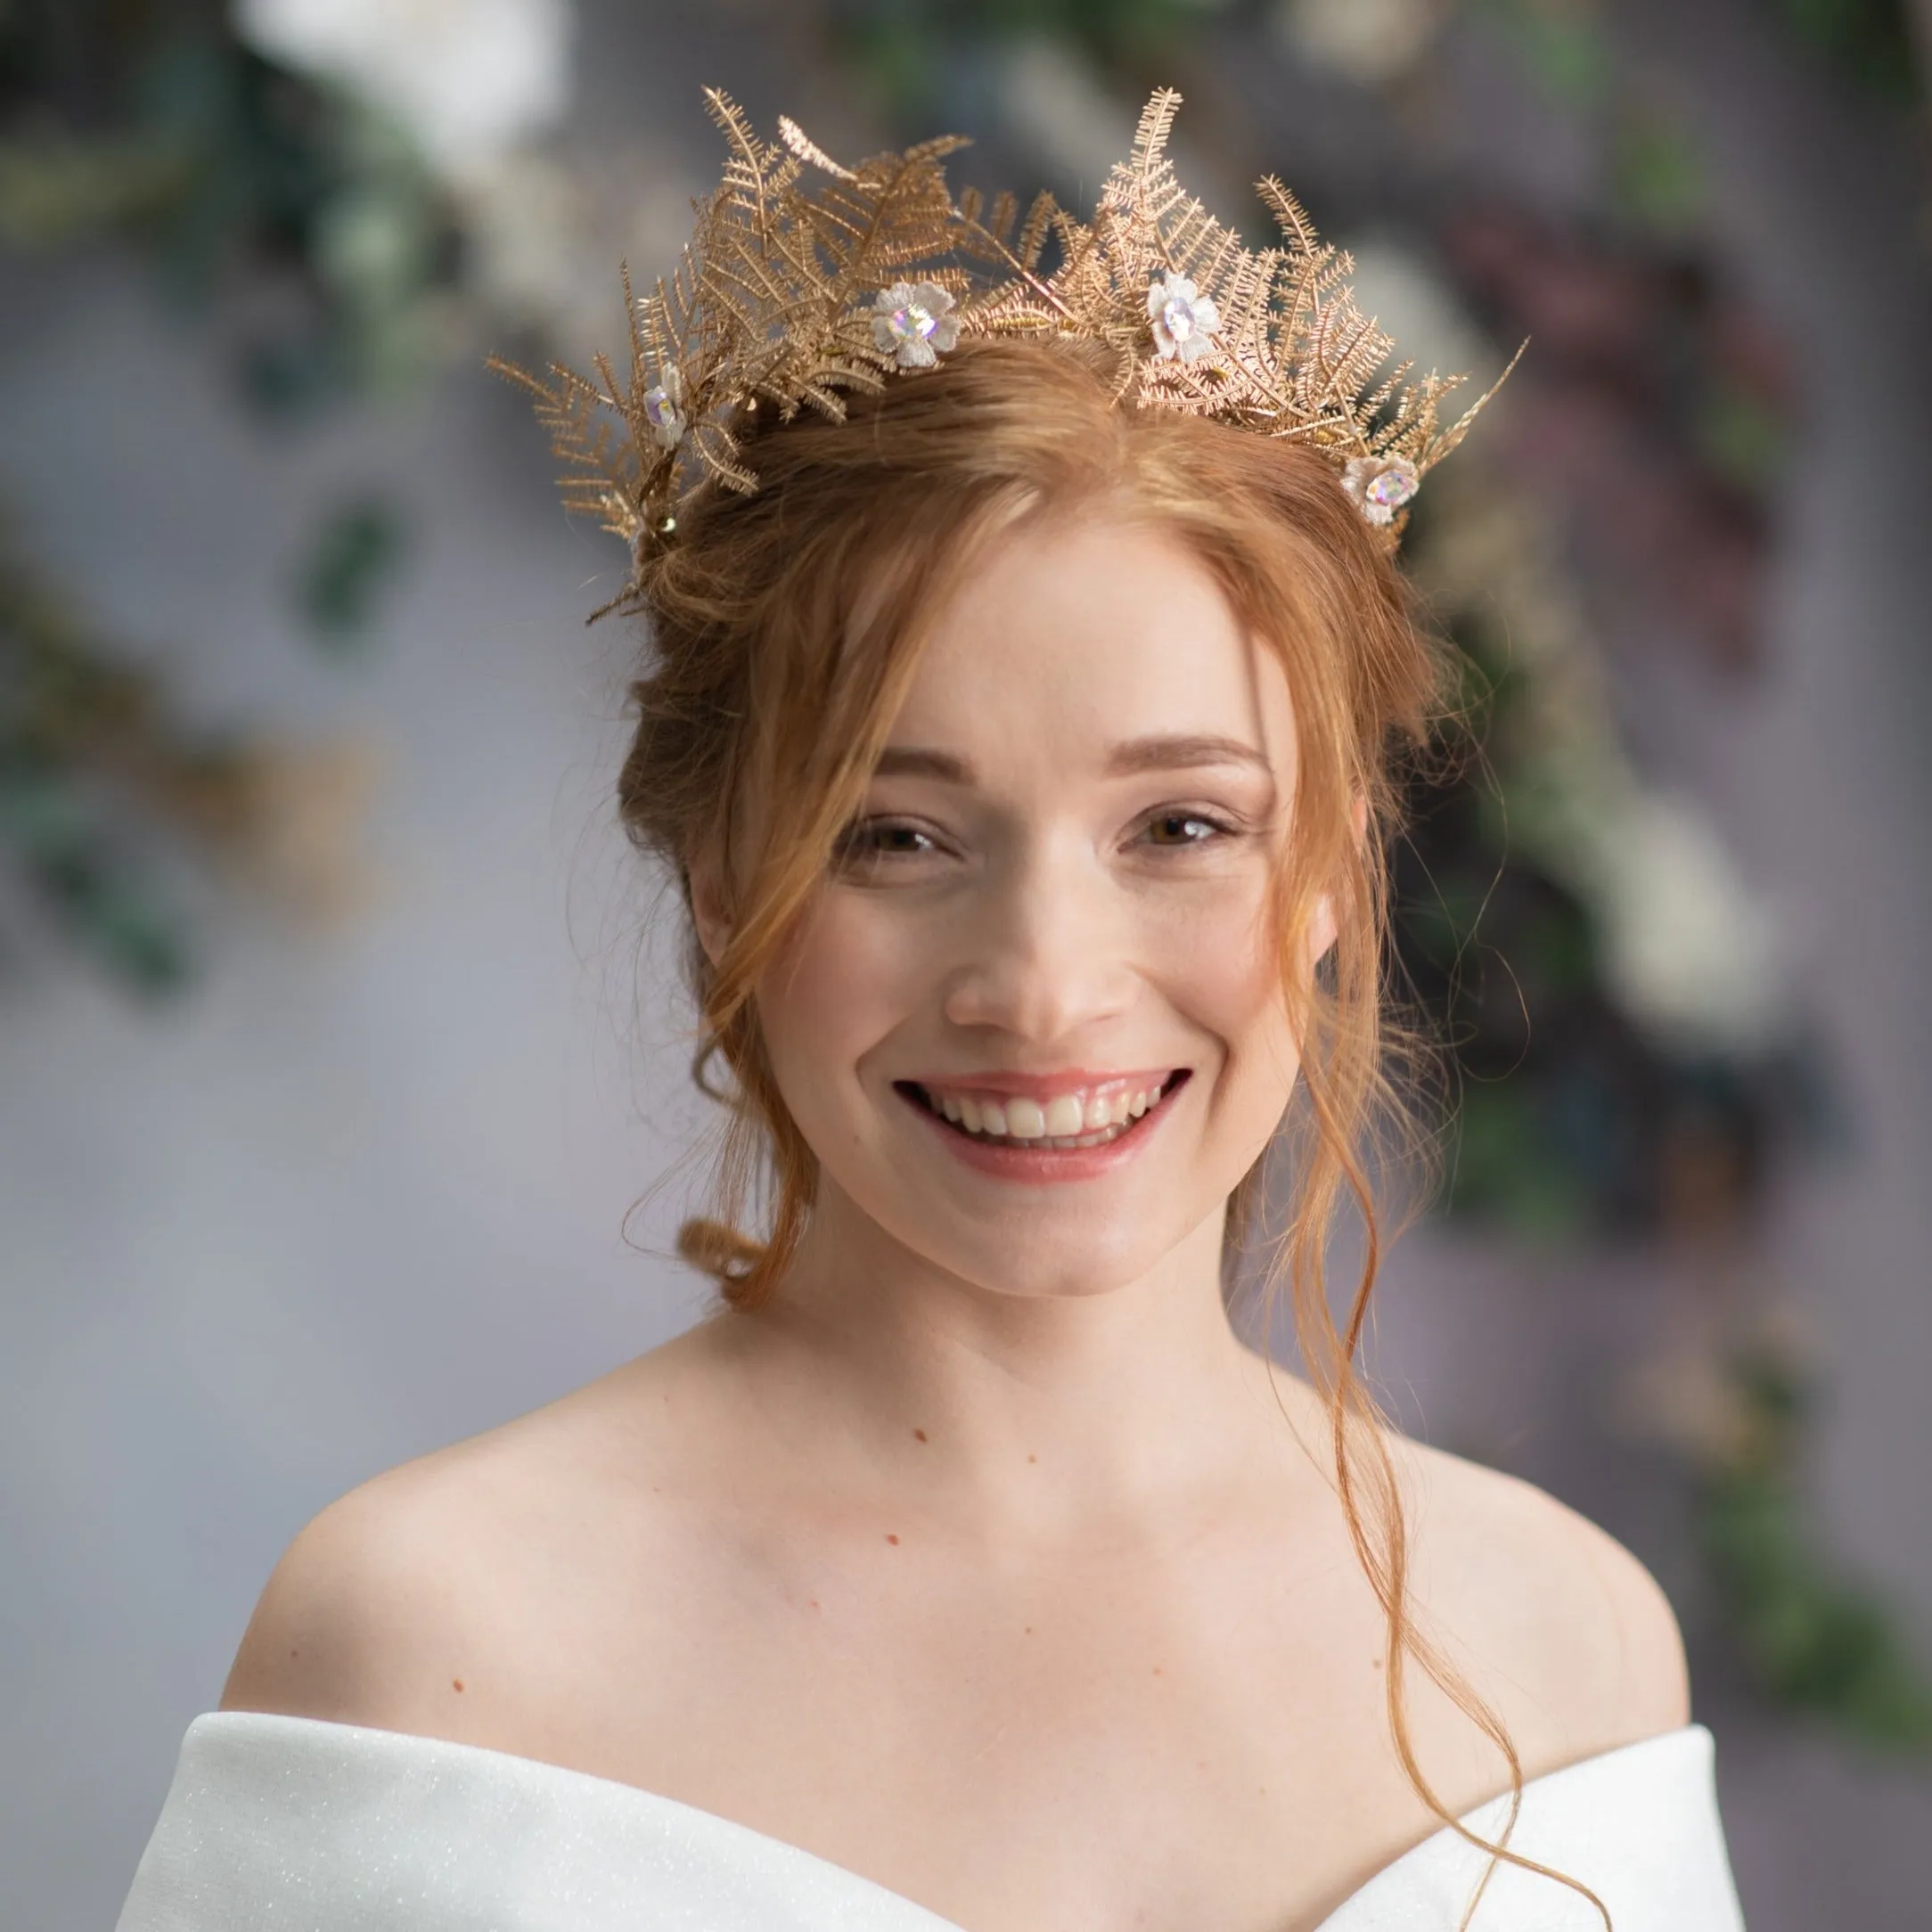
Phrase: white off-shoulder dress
x=291 y=1824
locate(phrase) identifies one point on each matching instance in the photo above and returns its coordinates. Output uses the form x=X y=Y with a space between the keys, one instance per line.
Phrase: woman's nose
x=1047 y=951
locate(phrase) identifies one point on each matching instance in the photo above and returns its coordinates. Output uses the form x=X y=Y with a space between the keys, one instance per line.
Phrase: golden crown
x=805 y=280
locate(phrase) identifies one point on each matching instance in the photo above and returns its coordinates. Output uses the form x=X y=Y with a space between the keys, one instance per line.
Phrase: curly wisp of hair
x=786 y=627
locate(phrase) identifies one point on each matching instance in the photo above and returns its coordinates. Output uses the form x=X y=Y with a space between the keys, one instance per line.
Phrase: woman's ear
x=1324 y=927
x=1322 y=931
x=704 y=881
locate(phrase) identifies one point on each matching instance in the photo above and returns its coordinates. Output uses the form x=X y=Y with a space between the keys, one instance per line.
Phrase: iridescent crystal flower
x=1184 y=318
x=915 y=323
x=1381 y=485
x=663 y=409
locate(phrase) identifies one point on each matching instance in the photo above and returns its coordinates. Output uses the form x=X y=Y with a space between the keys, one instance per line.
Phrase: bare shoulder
x=1564 y=1624
x=414 y=1602
x=359 y=1596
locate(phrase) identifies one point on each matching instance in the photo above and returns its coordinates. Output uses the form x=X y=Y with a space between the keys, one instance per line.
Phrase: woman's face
x=1032 y=1025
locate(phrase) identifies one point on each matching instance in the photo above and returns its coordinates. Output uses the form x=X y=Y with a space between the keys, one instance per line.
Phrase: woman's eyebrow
x=1170 y=751
x=1181 y=752
x=917 y=761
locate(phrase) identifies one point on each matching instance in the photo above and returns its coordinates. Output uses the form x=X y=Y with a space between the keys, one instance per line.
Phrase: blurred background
x=337 y=1061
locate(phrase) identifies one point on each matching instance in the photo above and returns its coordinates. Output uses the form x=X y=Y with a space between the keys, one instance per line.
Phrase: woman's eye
x=1173 y=828
x=869 y=841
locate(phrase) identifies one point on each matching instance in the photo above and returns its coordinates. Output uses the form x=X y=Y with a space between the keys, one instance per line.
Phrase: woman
x=1021 y=724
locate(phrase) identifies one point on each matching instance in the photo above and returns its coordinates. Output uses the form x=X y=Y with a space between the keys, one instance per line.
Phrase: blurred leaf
x=69 y=859
x=57 y=188
x=1560 y=43
x=1505 y=1171
x=357 y=555
x=1742 y=435
x=907 y=49
x=1871 y=40
x=291 y=371
x=1818 y=1642
x=1558 y=951
x=1657 y=174
x=101 y=783
x=132 y=934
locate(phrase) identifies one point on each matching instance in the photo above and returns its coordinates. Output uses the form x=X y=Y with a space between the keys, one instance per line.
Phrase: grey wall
x=362 y=1191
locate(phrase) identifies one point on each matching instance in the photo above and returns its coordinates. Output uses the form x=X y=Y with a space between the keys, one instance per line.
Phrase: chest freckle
x=890 y=1537
x=455 y=1683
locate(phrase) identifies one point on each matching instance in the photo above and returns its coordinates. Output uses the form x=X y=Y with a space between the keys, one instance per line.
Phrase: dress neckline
x=923 y=1916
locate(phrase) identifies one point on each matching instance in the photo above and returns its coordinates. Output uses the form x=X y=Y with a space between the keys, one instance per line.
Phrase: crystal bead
x=1393 y=488
x=1178 y=317
x=660 y=411
x=911 y=322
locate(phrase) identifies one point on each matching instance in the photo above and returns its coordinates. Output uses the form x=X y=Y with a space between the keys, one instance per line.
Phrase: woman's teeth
x=1065 y=1120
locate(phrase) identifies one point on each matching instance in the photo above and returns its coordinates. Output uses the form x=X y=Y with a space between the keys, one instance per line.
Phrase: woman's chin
x=1049 y=1265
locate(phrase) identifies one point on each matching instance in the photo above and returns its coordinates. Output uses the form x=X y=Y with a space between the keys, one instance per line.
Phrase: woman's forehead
x=1097 y=634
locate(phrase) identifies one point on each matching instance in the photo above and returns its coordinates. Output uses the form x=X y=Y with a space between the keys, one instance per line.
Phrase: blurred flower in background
x=468 y=79
x=1369 y=42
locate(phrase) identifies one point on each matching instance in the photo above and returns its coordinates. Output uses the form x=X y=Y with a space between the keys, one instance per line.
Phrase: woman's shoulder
x=414 y=1602
x=1560 y=1622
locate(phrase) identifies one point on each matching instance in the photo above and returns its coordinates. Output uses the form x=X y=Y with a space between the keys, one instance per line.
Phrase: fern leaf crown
x=805 y=281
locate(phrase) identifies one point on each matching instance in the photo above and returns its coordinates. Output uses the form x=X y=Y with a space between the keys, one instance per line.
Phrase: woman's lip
x=1039 y=1161
x=1045 y=1086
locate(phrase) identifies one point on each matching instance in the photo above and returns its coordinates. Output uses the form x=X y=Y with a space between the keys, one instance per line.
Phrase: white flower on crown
x=914 y=322
x=468 y=79
x=1380 y=485
x=664 y=408
x=1184 y=318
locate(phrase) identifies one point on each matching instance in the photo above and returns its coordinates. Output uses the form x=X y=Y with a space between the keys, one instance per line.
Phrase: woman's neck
x=1025 y=1413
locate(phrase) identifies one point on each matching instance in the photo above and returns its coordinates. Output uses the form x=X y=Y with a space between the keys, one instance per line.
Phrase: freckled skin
x=1115 y=1663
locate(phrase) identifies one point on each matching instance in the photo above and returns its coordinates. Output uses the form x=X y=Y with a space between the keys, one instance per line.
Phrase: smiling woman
x=1044 y=907
x=1028 y=757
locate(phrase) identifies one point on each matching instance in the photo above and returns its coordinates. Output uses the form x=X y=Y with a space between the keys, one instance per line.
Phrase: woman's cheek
x=840 y=986
x=1217 y=942
x=1222 y=971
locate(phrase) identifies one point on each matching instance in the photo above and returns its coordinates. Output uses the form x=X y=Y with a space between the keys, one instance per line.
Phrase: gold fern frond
x=807 y=150
x=1147 y=158
x=805 y=281
x=1289 y=216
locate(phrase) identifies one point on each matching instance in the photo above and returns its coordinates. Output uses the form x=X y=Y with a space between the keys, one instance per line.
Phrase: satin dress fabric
x=293 y=1824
